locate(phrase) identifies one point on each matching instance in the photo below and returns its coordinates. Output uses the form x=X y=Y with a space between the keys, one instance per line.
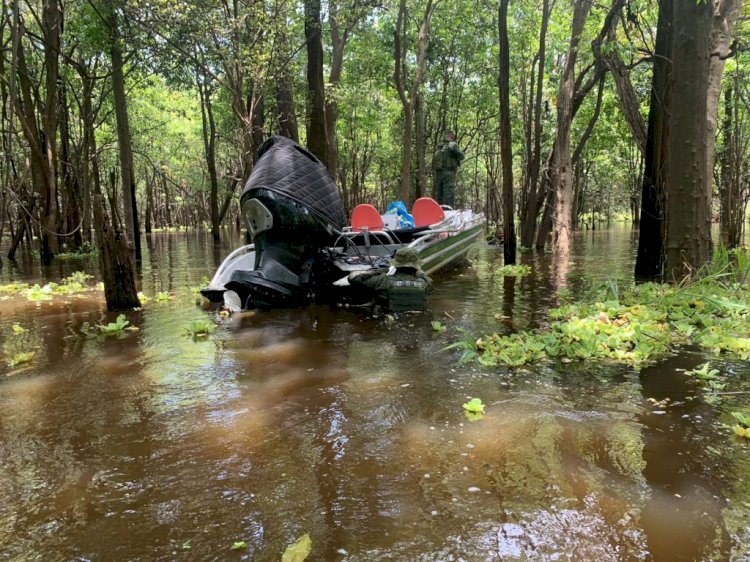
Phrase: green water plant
x=114 y=328
x=742 y=428
x=514 y=270
x=20 y=358
x=200 y=328
x=474 y=406
x=632 y=324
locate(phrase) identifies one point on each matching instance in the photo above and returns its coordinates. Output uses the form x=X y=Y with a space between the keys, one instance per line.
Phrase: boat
x=302 y=251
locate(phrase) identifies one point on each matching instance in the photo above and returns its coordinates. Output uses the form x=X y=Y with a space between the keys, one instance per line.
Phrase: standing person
x=445 y=163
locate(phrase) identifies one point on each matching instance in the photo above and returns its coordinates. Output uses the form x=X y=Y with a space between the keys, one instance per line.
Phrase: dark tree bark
x=688 y=194
x=124 y=139
x=285 y=107
x=317 y=138
x=530 y=196
x=116 y=263
x=409 y=97
x=209 y=147
x=562 y=161
x=420 y=187
x=506 y=147
x=649 y=262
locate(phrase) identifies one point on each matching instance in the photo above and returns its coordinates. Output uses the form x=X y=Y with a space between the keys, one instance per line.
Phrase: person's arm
x=457 y=153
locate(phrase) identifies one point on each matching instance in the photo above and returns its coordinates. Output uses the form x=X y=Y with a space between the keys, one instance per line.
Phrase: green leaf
x=298 y=551
x=239 y=545
x=474 y=406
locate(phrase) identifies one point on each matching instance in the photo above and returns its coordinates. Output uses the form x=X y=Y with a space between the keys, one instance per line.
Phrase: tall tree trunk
x=52 y=29
x=285 y=107
x=688 y=201
x=531 y=198
x=722 y=22
x=115 y=261
x=421 y=141
x=409 y=97
x=506 y=145
x=650 y=258
x=317 y=138
x=562 y=162
x=124 y=140
x=209 y=146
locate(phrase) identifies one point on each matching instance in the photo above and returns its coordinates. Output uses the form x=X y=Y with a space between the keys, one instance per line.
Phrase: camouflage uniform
x=445 y=163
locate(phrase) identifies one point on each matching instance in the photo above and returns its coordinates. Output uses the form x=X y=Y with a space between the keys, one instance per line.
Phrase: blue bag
x=398 y=208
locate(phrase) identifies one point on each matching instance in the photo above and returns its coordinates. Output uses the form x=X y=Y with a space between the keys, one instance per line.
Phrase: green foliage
x=200 y=328
x=114 y=328
x=633 y=324
x=474 y=406
x=20 y=358
x=239 y=545
x=163 y=296
x=514 y=270
x=18 y=330
x=14 y=288
x=743 y=428
x=437 y=326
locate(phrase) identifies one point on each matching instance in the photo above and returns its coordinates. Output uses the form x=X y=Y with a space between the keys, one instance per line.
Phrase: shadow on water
x=349 y=426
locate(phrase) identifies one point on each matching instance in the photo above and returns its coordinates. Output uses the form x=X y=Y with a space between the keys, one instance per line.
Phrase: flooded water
x=330 y=422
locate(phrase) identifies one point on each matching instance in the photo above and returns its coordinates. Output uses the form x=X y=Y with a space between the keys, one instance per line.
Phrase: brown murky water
x=350 y=428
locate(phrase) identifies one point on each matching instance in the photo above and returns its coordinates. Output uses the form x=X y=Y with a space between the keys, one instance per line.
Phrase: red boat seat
x=426 y=211
x=366 y=216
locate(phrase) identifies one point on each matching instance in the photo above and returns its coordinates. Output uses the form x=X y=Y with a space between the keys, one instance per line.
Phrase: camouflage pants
x=445 y=187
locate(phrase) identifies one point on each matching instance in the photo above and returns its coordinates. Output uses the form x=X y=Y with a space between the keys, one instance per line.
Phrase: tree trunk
x=124 y=140
x=562 y=162
x=722 y=22
x=650 y=258
x=285 y=107
x=115 y=261
x=688 y=201
x=209 y=146
x=530 y=202
x=421 y=141
x=409 y=98
x=506 y=145
x=317 y=138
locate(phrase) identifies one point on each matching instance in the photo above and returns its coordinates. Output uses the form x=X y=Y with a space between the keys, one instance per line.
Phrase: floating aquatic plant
x=514 y=270
x=635 y=324
x=200 y=328
x=20 y=358
x=114 y=328
x=743 y=428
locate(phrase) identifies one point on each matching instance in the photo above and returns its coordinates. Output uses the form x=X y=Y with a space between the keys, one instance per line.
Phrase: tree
x=409 y=97
x=688 y=194
x=317 y=137
x=509 y=229
x=650 y=258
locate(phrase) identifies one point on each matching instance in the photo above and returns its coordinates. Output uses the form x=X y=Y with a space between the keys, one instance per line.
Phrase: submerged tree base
x=636 y=324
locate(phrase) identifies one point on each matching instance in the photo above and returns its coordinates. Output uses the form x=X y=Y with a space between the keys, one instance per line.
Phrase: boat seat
x=367 y=217
x=426 y=211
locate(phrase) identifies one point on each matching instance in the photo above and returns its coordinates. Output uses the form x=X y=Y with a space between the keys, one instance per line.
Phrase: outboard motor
x=292 y=209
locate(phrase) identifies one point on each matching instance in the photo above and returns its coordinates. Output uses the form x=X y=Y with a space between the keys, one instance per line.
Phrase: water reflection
x=350 y=427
